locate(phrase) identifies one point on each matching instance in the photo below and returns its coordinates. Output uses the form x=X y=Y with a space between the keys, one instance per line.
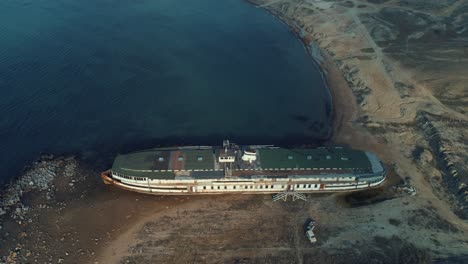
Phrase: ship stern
x=106 y=177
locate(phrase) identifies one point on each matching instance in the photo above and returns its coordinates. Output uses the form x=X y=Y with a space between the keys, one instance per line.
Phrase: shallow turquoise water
x=96 y=77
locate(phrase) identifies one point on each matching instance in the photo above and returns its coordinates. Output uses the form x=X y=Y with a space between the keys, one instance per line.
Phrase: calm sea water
x=96 y=77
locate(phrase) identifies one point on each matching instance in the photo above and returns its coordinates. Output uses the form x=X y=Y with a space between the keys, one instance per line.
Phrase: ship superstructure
x=245 y=169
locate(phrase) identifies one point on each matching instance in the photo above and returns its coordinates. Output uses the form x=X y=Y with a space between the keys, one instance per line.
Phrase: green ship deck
x=202 y=162
x=342 y=158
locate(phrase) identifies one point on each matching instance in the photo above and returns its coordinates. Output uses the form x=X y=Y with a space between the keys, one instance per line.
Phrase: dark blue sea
x=98 y=77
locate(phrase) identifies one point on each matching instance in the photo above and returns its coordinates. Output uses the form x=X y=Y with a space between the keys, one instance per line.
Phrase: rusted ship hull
x=194 y=189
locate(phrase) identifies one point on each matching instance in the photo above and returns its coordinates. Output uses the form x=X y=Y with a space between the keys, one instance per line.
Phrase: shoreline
x=42 y=201
x=343 y=102
x=321 y=61
x=119 y=225
x=65 y=195
x=345 y=108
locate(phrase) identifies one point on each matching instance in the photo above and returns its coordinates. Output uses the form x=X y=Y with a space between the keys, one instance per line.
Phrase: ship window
x=328 y=157
x=180 y=158
x=282 y=186
x=234 y=187
x=272 y=186
x=315 y=185
x=310 y=185
x=309 y=157
x=261 y=186
x=246 y=187
x=303 y=186
x=161 y=159
x=266 y=186
x=225 y=187
x=219 y=187
x=204 y=187
x=251 y=186
x=200 y=158
x=290 y=157
x=212 y=187
x=297 y=185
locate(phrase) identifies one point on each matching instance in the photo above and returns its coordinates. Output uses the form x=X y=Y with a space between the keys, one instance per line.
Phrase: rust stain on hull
x=107 y=179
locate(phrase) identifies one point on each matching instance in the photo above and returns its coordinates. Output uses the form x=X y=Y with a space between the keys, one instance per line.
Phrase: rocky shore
x=38 y=177
x=34 y=191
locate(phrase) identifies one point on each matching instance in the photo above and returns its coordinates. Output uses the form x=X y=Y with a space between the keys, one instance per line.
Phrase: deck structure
x=245 y=169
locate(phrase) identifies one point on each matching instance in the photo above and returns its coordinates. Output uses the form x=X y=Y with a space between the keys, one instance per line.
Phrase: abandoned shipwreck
x=245 y=169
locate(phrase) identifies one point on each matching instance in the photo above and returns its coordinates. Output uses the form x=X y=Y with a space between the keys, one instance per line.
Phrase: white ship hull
x=242 y=186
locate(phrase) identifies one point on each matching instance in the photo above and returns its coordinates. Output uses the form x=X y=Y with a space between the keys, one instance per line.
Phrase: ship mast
x=227 y=159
